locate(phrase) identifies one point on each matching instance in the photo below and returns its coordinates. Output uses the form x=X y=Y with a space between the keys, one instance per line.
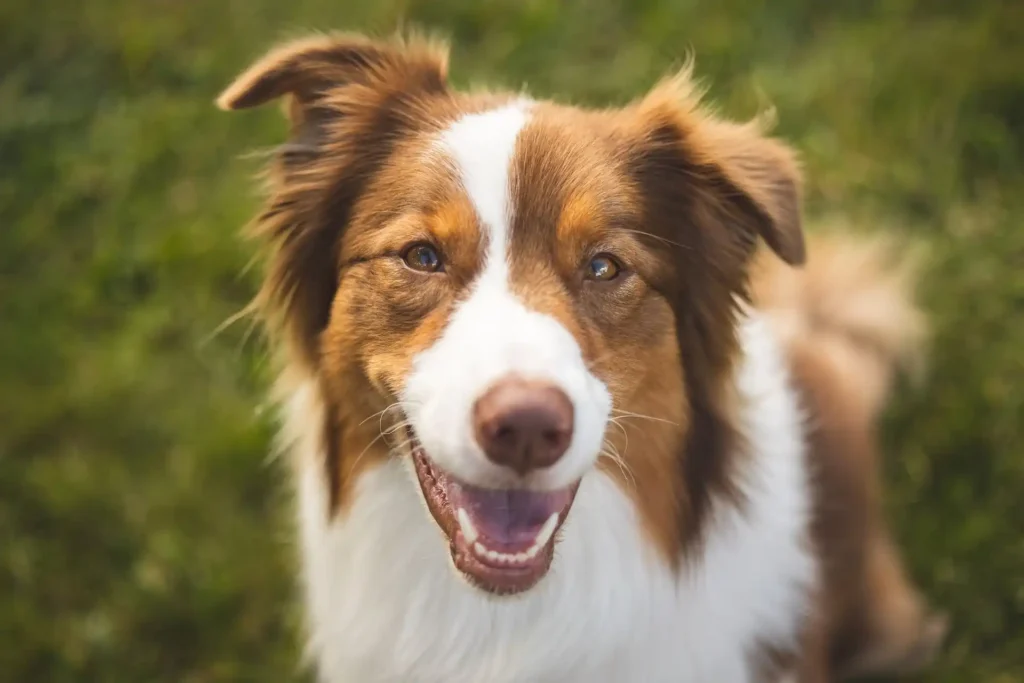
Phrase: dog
x=569 y=395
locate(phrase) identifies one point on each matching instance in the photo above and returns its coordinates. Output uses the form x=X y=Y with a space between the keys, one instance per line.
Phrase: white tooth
x=546 y=531
x=469 y=531
x=542 y=539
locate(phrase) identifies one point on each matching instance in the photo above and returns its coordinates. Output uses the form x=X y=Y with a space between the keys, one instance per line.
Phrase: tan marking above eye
x=423 y=257
x=579 y=215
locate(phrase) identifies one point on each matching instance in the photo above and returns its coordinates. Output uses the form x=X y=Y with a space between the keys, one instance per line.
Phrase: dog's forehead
x=568 y=179
x=535 y=169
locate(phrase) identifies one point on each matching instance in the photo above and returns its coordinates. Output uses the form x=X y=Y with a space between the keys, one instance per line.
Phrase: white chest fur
x=385 y=605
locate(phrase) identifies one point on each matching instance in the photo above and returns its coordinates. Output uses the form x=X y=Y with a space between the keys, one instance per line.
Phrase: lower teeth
x=470 y=534
x=495 y=556
x=486 y=553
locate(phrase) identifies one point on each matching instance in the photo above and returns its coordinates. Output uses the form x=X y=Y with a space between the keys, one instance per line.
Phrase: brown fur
x=679 y=195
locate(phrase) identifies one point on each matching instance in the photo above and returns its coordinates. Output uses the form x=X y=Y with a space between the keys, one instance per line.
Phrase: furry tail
x=853 y=305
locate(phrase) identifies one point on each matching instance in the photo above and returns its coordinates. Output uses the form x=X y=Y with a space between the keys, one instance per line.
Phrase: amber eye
x=422 y=257
x=603 y=267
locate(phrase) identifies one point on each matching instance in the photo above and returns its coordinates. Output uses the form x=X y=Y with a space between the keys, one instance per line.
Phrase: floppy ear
x=348 y=99
x=710 y=189
x=307 y=70
x=308 y=67
x=747 y=182
x=761 y=176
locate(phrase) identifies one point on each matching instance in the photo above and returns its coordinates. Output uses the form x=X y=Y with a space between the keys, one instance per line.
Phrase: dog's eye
x=422 y=257
x=603 y=267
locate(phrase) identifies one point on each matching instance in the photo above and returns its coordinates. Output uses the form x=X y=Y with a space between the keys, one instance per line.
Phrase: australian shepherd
x=554 y=415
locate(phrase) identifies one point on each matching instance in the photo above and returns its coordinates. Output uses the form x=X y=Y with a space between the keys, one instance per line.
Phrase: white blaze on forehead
x=492 y=334
x=482 y=146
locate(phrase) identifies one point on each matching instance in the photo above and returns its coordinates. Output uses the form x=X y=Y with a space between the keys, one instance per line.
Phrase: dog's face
x=493 y=283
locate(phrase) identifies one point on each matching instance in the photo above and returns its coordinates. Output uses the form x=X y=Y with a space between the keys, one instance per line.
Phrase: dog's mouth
x=502 y=540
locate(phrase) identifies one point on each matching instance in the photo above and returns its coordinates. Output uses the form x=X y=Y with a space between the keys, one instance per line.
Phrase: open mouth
x=502 y=540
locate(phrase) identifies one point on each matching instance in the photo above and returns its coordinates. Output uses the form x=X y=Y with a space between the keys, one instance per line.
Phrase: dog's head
x=513 y=292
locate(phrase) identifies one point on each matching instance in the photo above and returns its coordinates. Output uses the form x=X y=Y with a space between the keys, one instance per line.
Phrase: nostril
x=505 y=433
x=554 y=437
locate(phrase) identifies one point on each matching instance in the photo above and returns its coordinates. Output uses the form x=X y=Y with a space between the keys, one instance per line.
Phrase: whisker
x=619 y=414
x=396 y=404
x=368 y=447
x=625 y=435
x=610 y=448
x=393 y=447
x=656 y=237
x=385 y=433
x=398 y=448
x=397 y=426
x=609 y=452
x=377 y=414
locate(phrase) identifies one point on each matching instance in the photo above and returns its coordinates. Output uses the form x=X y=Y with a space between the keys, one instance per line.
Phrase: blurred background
x=144 y=529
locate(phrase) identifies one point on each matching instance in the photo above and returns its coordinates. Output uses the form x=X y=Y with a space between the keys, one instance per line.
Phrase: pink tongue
x=507 y=518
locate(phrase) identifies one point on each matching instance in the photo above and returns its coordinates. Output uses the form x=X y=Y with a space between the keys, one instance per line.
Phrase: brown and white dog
x=553 y=418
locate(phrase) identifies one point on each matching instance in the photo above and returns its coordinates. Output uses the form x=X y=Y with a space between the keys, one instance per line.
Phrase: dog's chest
x=385 y=604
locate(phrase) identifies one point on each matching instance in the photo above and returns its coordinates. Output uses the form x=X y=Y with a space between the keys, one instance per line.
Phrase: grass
x=146 y=534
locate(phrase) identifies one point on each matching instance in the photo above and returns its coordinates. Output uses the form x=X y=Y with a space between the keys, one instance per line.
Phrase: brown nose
x=523 y=424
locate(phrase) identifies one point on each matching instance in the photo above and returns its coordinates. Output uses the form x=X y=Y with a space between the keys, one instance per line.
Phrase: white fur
x=385 y=605
x=492 y=335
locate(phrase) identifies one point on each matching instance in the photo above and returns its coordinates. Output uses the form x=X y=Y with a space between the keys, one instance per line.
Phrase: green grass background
x=144 y=533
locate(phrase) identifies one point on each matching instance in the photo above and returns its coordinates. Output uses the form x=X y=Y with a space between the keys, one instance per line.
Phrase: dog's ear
x=308 y=67
x=761 y=176
x=711 y=189
x=306 y=71
x=746 y=182
x=349 y=98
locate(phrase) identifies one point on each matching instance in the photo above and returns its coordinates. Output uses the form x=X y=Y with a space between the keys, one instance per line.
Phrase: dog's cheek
x=341 y=342
x=631 y=337
x=398 y=327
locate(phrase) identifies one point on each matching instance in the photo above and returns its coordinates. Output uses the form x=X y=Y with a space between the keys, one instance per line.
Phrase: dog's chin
x=501 y=540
